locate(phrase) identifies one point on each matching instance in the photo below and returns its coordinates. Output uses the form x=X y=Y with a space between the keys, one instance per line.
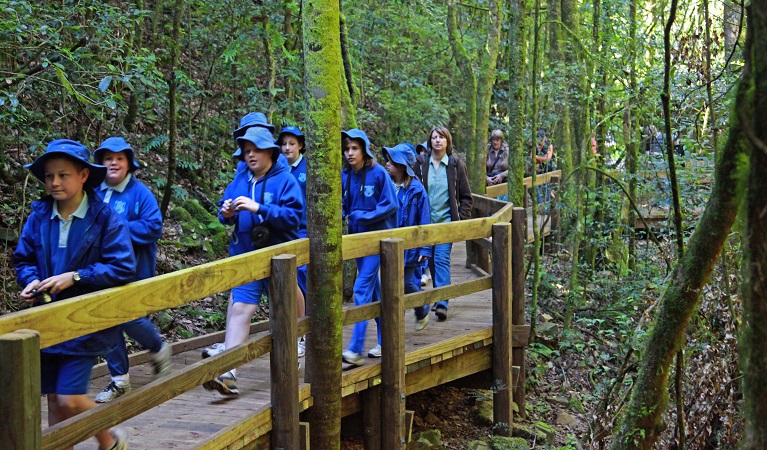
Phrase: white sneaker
x=121 y=439
x=350 y=357
x=161 y=359
x=425 y=279
x=111 y=392
x=213 y=350
x=375 y=352
x=301 y=347
x=421 y=324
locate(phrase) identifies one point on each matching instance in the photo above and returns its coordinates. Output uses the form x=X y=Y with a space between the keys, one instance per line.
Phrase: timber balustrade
x=23 y=333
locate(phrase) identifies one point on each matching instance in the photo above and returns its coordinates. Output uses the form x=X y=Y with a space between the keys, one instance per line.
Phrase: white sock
x=121 y=380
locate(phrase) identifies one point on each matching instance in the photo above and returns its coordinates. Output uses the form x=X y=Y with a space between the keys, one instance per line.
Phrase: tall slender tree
x=170 y=174
x=322 y=68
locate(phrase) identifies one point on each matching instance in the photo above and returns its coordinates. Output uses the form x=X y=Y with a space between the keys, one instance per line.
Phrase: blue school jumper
x=281 y=206
x=370 y=204
x=414 y=209
x=134 y=202
x=99 y=250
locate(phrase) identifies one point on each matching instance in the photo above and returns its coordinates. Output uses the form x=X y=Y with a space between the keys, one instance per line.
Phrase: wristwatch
x=76 y=276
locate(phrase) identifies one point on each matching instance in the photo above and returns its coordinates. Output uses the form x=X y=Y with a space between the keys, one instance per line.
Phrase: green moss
x=179 y=214
x=576 y=405
x=508 y=443
x=197 y=212
x=220 y=243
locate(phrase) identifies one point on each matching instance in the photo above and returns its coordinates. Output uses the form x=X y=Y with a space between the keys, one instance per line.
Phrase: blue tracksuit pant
x=413 y=284
x=142 y=331
x=440 y=267
x=367 y=289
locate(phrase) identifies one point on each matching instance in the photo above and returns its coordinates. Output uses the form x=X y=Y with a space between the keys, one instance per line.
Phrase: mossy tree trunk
x=323 y=78
x=754 y=350
x=641 y=426
x=170 y=175
x=515 y=132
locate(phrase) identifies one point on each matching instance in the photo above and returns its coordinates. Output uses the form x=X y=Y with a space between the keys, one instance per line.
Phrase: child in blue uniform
x=249 y=120
x=264 y=204
x=369 y=204
x=293 y=145
x=414 y=210
x=72 y=244
x=135 y=203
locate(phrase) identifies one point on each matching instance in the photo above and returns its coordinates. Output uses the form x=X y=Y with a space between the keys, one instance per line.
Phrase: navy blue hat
x=356 y=133
x=74 y=150
x=261 y=138
x=423 y=146
x=117 y=145
x=252 y=119
x=401 y=154
x=295 y=132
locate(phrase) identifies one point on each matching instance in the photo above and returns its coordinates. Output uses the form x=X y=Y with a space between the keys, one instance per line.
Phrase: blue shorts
x=65 y=374
x=250 y=293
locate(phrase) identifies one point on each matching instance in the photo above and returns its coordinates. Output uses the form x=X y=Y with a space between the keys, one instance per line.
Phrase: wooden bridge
x=485 y=332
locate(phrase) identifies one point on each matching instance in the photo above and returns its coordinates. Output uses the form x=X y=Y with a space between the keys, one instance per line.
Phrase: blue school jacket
x=414 y=209
x=281 y=207
x=138 y=206
x=104 y=258
x=369 y=200
x=299 y=173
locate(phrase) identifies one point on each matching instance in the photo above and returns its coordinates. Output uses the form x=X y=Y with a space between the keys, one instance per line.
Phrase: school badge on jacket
x=369 y=191
x=302 y=177
x=119 y=206
x=268 y=197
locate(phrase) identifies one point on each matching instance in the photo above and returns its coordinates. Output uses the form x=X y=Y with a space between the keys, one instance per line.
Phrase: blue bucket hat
x=295 y=132
x=252 y=119
x=117 y=145
x=356 y=133
x=261 y=138
x=401 y=154
x=73 y=150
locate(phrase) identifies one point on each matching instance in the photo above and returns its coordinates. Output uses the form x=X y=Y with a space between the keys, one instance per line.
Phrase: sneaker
x=350 y=357
x=441 y=313
x=213 y=350
x=111 y=392
x=375 y=352
x=421 y=324
x=301 y=347
x=161 y=359
x=225 y=384
x=121 y=439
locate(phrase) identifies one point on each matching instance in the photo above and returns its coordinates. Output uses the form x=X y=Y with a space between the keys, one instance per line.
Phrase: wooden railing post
x=20 y=402
x=392 y=344
x=503 y=414
x=284 y=357
x=518 y=241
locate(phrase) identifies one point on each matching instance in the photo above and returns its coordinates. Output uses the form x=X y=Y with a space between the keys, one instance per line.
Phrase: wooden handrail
x=503 y=188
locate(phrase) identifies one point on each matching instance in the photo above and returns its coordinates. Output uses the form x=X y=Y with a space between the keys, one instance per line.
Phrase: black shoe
x=441 y=313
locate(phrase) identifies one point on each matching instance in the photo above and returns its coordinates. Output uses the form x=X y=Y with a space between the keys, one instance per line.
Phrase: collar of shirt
x=444 y=160
x=298 y=160
x=80 y=212
x=120 y=186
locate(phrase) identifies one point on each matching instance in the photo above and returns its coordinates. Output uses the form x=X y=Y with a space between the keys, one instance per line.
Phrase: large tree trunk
x=178 y=10
x=322 y=68
x=462 y=60
x=755 y=288
x=515 y=132
x=642 y=424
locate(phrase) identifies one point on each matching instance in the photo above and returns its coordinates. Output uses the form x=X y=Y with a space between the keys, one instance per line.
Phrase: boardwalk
x=191 y=417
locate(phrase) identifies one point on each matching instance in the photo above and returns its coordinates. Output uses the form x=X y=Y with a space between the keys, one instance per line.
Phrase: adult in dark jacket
x=135 y=203
x=447 y=182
